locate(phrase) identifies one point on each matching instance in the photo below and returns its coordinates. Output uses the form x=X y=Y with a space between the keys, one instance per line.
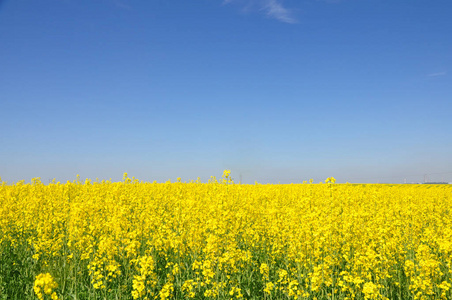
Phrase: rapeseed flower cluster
x=222 y=240
x=45 y=285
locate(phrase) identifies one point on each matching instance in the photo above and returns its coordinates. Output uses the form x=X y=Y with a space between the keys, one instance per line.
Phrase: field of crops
x=220 y=240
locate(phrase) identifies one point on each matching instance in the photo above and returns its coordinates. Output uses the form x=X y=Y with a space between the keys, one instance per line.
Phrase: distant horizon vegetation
x=427 y=178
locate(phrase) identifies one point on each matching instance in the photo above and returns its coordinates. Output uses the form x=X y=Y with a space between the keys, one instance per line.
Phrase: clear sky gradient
x=276 y=91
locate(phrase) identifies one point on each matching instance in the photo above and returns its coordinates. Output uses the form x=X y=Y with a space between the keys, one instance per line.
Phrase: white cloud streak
x=276 y=10
x=437 y=74
x=272 y=8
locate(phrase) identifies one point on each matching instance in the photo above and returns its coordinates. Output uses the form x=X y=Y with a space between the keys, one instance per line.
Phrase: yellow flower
x=269 y=287
x=44 y=285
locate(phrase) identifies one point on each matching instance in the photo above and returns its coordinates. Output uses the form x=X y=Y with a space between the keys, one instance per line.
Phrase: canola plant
x=220 y=240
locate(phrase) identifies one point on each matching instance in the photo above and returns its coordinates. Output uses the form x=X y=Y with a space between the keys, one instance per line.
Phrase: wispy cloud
x=437 y=74
x=276 y=10
x=272 y=8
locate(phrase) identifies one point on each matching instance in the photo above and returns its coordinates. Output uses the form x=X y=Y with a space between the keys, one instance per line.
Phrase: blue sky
x=276 y=91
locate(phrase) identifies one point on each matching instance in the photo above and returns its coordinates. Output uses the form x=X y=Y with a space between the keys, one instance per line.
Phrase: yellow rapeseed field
x=220 y=240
